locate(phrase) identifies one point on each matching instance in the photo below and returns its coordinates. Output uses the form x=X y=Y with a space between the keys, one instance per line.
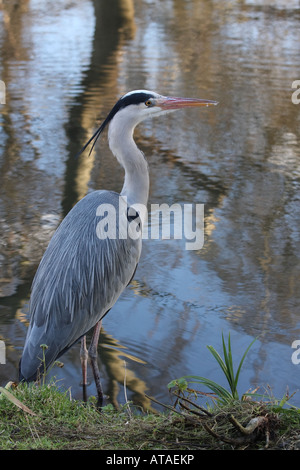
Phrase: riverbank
x=45 y=418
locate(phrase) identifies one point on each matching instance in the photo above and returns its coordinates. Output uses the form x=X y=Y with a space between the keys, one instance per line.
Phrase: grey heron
x=84 y=271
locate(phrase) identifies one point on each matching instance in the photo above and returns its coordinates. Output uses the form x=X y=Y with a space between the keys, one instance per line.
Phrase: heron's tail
x=22 y=378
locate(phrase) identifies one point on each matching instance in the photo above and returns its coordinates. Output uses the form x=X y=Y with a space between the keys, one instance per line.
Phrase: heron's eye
x=148 y=103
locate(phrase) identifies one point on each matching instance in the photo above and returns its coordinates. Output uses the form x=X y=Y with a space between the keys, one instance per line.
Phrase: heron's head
x=135 y=106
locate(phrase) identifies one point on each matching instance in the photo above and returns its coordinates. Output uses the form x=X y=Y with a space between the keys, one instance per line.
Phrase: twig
x=206 y=412
x=185 y=407
x=251 y=426
x=228 y=440
x=171 y=409
x=267 y=439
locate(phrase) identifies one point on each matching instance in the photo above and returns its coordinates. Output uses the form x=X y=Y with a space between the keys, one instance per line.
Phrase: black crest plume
x=125 y=100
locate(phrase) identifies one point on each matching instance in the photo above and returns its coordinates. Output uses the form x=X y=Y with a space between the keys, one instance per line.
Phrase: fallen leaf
x=15 y=401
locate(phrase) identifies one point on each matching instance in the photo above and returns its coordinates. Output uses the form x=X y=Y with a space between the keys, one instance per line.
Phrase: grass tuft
x=45 y=417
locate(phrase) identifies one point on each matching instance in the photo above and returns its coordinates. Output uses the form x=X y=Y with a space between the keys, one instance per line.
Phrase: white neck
x=122 y=145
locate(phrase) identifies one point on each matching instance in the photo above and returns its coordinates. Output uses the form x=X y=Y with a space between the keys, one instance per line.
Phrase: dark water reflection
x=64 y=65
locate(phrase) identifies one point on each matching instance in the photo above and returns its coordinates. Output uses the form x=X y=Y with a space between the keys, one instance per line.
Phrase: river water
x=64 y=64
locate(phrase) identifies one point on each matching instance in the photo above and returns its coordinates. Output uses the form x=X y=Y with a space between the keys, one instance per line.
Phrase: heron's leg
x=83 y=359
x=93 y=356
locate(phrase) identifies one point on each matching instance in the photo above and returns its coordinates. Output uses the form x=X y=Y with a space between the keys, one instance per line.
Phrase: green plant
x=42 y=375
x=226 y=365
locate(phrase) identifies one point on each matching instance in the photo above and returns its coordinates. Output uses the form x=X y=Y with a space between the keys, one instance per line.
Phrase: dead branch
x=253 y=424
x=204 y=411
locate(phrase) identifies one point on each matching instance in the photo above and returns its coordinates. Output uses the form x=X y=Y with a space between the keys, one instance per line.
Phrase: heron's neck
x=136 y=183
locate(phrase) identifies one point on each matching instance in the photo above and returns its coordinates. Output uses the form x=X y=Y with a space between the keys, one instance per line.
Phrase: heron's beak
x=168 y=102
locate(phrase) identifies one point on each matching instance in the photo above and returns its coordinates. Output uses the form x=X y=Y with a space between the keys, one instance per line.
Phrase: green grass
x=58 y=422
x=46 y=417
x=53 y=421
